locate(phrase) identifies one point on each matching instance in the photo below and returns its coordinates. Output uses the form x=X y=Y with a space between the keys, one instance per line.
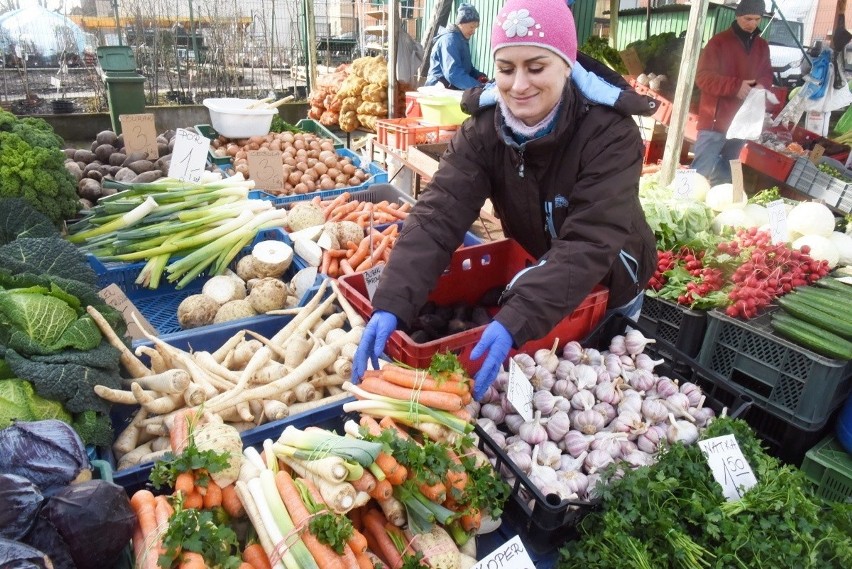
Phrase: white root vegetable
x=194 y=395
x=257 y=522
x=342 y=367
x=393 y=510
x=275 y=410
x=118 y=396
x=228 y=347
x=243 y=426
x=243 y=354
x=340 y=497
x=244 y=411
x=355 y=319
x=273 y=371
x=154 y=456
x=171 y=381
x=132 y=458
x=156 y=405
x=297 y=408
x=271 y=258
x=219 y=437
x=130 y=362
x=223 y=288
x=328 y=380
x=278 y=350
x=157 y=429
x=348 y=351
x=334 y=390
x=208 y=363
x=306 y=392
x=160 y=443
x=129 y=437
x=333 y=322
x=158 y=364
x=296 y=351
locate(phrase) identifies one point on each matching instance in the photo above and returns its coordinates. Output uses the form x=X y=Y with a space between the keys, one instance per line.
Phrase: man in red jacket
x=732 y=64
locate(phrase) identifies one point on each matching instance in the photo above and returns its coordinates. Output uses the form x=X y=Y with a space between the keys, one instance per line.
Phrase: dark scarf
x=746 y=38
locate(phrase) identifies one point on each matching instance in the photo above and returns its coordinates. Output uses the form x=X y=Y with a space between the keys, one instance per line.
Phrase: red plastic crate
x=765 y=160
x=472 y=272
x=402 y=133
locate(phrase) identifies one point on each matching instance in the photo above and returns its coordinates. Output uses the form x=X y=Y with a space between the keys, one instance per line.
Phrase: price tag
x=55 y=82
x=729 y=466
x=371 y=279
x=777 y=221
x=520 y=391
x=140 y=134
x=510 y=555
x=684 y=184
x=265 y=169
x=115 y=297
x=737 y=180
x=816 y=153
x=632 y=62
x=189 y=156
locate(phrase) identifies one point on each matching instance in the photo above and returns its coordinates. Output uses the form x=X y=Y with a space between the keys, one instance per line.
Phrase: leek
x=324 y=443
x=128 y=219
x=301 y=557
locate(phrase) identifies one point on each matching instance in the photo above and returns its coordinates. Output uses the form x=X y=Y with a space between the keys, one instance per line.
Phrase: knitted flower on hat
x=542 y=23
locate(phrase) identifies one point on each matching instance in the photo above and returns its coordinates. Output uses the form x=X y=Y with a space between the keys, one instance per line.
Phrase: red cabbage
x=20 y=501
x=16 y=555
x=45 y=537
x=49 y=453
x=95 y=520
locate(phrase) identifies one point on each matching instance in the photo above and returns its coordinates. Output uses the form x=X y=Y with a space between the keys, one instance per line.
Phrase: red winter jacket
x=723 y=66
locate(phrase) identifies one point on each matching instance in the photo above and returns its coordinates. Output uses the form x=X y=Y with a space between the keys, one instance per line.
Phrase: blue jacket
x=450 y=60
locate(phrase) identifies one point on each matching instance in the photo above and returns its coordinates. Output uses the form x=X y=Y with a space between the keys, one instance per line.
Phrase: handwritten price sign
x=140 y=134
x=729 y=466
x=189 y=156
x=777 y=221
x=265 y=169
x=371 y=279
x=520 y=391
x=510 y=555
x=684 y=184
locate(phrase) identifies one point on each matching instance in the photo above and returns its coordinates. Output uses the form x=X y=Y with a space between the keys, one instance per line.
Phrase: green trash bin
x=124 y=87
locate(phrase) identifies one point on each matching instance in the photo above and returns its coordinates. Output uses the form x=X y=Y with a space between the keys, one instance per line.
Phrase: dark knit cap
x=750 y=7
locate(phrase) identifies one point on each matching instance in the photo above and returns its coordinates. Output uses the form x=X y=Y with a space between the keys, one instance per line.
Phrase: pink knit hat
x=541 y=23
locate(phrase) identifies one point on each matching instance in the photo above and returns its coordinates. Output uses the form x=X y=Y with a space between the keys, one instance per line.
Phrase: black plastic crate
x=678 y=325
x=545 y=522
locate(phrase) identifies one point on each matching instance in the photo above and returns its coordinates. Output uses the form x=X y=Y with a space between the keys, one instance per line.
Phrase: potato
x=147 y=177
x=69 y=152
x=111 y=170
x=119 y=141
x=117 y=159
x=163 y=149
x=141 y=166
x=85 y=204
x=163 y=162
x=124 y=175
x=108 y=192
x=134 y=156
x=95 y=175
x=84 y=156
x=104 y=151
x=96 y=165
x=89 y=189
x=74 y=170
x=106 y=137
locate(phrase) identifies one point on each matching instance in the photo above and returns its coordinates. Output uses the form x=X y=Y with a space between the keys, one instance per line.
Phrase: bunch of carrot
x=373 y=250
x=344 y=208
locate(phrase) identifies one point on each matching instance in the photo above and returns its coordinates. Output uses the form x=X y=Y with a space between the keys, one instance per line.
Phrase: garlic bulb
x=628 y=446
x=513 y=422
x=548 y=358
x=703 y=416
x=521 y=459
x=606 y=410
x=654 y=410
x=573 y=352
x=616 y=346
x=681 y=431
x=494 y=412
x=502 y=380
x=583 y=400
x=558 y=425
x=487 y=425
x=499 y=438
x=666 y=387
x=589 y=422
x=507 y=406
x=473 y=407
x=575 y=442
x=630 y=401
x=563 y=404
x=584 y=376
x=641 y=380
x=651 y=440
x=549 y=454
x=646 y=362
x=603 y=374
x=563 y=369
x=592 y=487
x=542 y=378
x=610 y=443
x=592 y=357
x=635 y=342
x=564 y=388
x=568 y=463
x=627 y=363
x=693 y=392
x=597 y=460
x=612 y=363
x=526 y=363
x=533 y=432
x=545 y=402
x=678 y=404
x=638 y=458
x=606 y=392
x=574 y=481
x=491 y=395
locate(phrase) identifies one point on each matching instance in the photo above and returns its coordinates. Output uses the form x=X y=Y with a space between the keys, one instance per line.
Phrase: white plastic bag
x=748 y=122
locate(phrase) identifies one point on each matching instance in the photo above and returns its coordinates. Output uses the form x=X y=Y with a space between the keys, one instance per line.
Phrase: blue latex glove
x=376 y=334
x=497 y=341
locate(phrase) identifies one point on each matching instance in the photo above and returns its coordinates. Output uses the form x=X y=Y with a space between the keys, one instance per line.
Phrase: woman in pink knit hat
x=562 y=173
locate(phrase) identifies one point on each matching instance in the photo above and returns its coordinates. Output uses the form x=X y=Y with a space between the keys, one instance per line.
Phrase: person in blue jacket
x=450 y=61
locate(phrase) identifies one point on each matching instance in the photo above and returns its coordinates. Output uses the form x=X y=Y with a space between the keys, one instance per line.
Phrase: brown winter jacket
x=570 y=198
x=723 y=66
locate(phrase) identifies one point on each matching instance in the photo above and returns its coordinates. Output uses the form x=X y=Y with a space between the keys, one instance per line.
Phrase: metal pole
x=393 y=37
x=311 y=44
x=192 y=31
x=683 y=92
x=117 y=21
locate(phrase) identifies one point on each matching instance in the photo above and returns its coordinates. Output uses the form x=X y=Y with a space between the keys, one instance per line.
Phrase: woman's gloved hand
x=497 y=341
x=376 y=334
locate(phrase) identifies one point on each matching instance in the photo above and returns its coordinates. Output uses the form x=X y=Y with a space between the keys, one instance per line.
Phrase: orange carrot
x=375 y=256
x=471 y=520
x=436 y=492
x=366 y=483
x=185 y=483
x=364 y=562
x=391 y=230
x=326 y=261
x=194 y=500
x=162 y=512
x=382 y=491
x=192 y=560
x=394 y=472
x=322 y=553
x=357 y=542
x=231 y=502
x=339 y=253
x=349 y=559
x=179 y=433
x=254 y=555
x=379 y=540
x=328 y=210
x=333 y=267
x=343 y=210
x=420 y=379
x=389 y=423
x=245 y=565
x=463 y=414
x=138 y=545
x=393 y=211
x=434 y=399
x=457 y=477
x=345 y=267
x=213 y=497
x=361 y=253
x=143 y=506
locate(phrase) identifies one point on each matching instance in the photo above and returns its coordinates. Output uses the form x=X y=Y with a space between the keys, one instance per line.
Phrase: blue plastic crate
x=377 y=176
x=159 y=306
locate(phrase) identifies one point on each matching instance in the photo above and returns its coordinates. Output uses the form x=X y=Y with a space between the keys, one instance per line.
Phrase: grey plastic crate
x=808 y=179
x=680 y=326
x=791 y=382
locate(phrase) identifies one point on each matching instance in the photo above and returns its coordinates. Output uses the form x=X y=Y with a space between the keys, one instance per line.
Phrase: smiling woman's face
x=531 y=80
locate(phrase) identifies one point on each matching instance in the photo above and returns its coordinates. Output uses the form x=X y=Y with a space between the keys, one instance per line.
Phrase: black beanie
x=749 y=7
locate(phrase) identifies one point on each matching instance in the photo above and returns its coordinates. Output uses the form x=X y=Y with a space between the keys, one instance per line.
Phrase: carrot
x=343 y=210
x=361 y=253
x=336 y=202
x=254 y=555
x=345 y=267
x=392 y=211
x=357 y=542
x=245 y=565
x=185 y=483
x=322 y=553
x=194 y=500
x=382 y=491
x=457 y=477
x=179 y=433
x=162 y=512
x=434 y=399
x=375 y=256
x=389 y=423
x=391 y=230
x=339 y=253
x=326 y=261
x=420 y=379
x=394 y=472
x=231 y=502
x=436 y=492
x=349 y=558
x=143 y=506
x=463 y=414
x=138 y=546
x=213 y=497
x=471 y=520
x=379 y=540
x=366 y=483
x=191 y=560
x=364 y=562
x=333 y=267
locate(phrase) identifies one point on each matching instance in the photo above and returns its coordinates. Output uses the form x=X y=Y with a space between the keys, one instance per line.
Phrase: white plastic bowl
x=232 y=119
